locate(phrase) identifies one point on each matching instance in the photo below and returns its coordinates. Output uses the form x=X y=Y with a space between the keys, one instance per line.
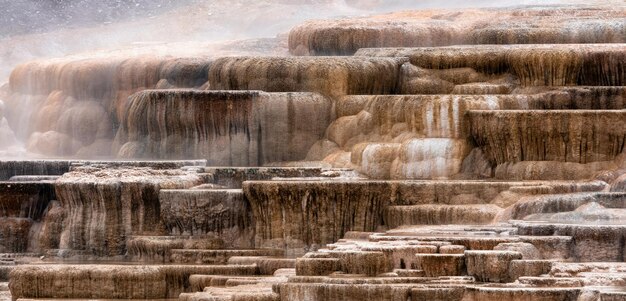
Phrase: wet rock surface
x=227 y=128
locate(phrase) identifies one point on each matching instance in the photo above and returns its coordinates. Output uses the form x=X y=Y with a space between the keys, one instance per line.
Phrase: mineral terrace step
x=218 y=212
x=190 y=256
x=553 y=281
x=198 y=283
x=266 y=265
x=440 y=214
x=158 y=248
x=257 y=292
x=233 y=177
x=590 y=242
x=112 y=281
x=524 y=135
x=435 y=265
x=527 y=62
x=512 y=293
x=490 y=266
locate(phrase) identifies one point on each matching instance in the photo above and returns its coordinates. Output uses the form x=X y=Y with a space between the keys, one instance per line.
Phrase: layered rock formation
x=538 y=25
x=223 y=213
x=331 y=76
x=529 y=65
x=577 y=136
x=106 y=206
x=227 y=128
x=71 y=107
x=23 y=205
x=472 y=172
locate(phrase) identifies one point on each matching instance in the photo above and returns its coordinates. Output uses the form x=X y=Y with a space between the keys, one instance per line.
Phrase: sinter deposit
x=446 y=155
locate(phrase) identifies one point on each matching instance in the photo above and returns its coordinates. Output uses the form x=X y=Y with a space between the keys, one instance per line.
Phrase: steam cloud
x=32 y=29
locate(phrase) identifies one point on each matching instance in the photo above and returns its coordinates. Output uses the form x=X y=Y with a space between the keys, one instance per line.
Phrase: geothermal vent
x=437 y=155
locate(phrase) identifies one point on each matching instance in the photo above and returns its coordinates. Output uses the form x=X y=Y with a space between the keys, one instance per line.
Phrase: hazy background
x=31 y=29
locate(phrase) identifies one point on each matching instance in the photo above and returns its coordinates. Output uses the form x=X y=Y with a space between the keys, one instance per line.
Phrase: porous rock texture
x=228 y=128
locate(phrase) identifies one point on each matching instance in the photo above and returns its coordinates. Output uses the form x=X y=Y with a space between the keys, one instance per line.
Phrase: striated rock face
x=72 y=106
x=228 y=128
x=111 y=281
x=555 y=203
x=564 y=24
x=551 y=170
x=441 y=214
x=233 y=177
x=331 y=76
x=297 y=215
x=429 y=136
x=23 y=205
x=531 y=65
x=304 y=215
x=106 y=206
x=14 y=234
x=591 y=242
x=10 y=168
x=25 y=199
x=8 y=141
x=221 y=212
x=567 y=136
x=490 y=266
x=52 y=227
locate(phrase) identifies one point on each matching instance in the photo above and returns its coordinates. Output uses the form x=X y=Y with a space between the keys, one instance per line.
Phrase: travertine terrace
x=444 y=155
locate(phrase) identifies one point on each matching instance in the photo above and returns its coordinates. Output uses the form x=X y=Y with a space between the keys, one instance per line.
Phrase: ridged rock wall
x=234 y=128
x=220 y=213
x=330 y=76
x=14 y=234
x=428 y=136
x=577 y=136
x=297 y=216
x=72 y=106
x=304 y=215
x=427 y=28
x=111 y=281
x=405 y=136
x=532 y=65
x=106 y=206
x=233 y=177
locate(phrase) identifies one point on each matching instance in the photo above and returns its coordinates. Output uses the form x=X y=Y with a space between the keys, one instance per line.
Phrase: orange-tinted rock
x=228 y=128
x=565 y=24
x=331 y=76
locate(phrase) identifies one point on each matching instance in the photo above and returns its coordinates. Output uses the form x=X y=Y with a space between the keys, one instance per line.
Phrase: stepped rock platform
x=445 y=155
